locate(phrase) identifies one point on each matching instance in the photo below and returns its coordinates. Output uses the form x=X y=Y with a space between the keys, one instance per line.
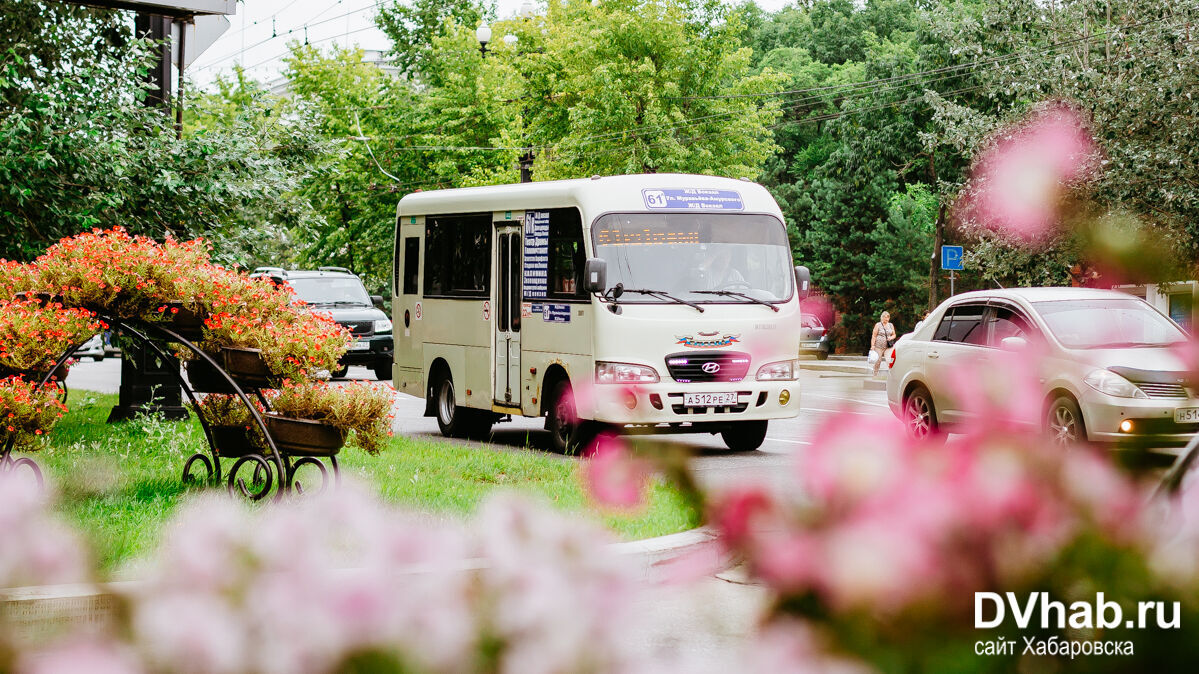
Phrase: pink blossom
x=82 y=654
x=613 y=476
x=1018 y=181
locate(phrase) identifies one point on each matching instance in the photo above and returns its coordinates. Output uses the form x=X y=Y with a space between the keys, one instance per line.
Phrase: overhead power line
x=301 y=29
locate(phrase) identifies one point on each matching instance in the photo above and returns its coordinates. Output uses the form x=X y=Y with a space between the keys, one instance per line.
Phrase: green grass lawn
x=120 y=483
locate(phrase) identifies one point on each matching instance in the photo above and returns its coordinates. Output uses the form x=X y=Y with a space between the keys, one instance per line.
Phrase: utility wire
x=297 y=29
x=367 y=143
x=284 y=55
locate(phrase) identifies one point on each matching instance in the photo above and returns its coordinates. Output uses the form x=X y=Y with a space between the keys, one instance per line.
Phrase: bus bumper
x=664 y=403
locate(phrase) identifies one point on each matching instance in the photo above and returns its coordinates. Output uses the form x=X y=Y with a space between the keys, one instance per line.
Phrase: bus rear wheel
x=455 y=421
x=745 y=436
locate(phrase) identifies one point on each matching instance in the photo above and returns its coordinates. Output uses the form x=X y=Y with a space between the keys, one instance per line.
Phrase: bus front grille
x=707 y=366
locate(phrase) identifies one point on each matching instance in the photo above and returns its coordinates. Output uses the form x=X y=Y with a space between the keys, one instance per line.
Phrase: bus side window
x=566 y=255
x=458 y=256
x=411 y=265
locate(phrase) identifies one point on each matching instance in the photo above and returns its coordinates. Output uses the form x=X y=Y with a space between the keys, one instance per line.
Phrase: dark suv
x=338 y=292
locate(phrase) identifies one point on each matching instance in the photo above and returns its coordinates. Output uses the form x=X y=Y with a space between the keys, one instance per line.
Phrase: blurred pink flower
x=794 y=647
x=1018 y=181
x=35 y=548
x=614 y=477
x=1000 y=390
x=738 y=511
x=82 y=654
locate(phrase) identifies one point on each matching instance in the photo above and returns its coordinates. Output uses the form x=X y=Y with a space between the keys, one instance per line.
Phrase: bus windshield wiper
x=734 y=293
x=664 y=295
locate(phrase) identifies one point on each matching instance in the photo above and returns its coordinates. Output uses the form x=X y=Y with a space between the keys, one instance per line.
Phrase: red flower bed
x=27 y=413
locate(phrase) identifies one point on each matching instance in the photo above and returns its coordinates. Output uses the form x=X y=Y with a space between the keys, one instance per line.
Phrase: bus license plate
x=1186 y=415
x=360 y=346
x=709 y=399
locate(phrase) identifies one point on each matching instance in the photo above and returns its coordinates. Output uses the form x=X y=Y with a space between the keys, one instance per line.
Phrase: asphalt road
x=821 y=394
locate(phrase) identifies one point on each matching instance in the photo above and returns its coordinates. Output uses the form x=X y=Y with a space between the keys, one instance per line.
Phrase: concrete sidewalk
x=849 y=366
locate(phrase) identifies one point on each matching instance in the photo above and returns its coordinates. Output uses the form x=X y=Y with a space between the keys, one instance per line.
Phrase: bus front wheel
x=562 y=418
x=745 y=436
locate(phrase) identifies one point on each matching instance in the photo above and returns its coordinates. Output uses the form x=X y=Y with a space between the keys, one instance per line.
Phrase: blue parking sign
x=951 y=258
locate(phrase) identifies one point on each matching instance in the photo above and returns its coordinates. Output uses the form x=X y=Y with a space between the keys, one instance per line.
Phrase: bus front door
x=507 y=314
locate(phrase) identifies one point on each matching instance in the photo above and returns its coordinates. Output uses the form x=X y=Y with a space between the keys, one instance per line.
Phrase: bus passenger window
x=411 y=265
x=458 y=256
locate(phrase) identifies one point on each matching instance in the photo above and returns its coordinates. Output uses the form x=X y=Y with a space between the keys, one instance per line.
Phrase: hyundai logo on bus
x=710 y=367
x=693 y=199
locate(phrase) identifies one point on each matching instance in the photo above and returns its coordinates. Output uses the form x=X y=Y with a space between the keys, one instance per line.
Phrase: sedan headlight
x=624 y=373
x=783 y=370
x=1106 y=381
x=383 y=326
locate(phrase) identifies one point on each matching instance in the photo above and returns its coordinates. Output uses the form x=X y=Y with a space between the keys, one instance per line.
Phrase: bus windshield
x=696 y=257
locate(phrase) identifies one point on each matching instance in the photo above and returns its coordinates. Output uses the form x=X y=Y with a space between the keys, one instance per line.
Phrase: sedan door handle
x=934 y=354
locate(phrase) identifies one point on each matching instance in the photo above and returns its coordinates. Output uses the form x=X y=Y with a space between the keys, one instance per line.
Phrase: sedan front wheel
x=919 y=415
x=1063 y=422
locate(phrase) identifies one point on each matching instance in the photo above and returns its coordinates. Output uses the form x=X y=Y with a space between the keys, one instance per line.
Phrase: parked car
x=813 y=337
x=339 y=292
x=1109 y=370
x=92 y=348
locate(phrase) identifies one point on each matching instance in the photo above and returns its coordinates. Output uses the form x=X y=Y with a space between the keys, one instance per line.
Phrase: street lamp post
x=483 y=35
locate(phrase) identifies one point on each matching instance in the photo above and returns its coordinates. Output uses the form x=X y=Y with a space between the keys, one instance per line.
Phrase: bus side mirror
x=803 y=279
x=596 y=275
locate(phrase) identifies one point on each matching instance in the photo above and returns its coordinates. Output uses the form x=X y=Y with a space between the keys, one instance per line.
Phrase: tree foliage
x=79 y=149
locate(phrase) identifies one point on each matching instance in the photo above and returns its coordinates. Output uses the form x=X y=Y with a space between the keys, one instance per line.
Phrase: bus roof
x=669 y=192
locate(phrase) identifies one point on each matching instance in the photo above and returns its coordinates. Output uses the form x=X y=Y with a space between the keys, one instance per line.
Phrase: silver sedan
x=1108 y=365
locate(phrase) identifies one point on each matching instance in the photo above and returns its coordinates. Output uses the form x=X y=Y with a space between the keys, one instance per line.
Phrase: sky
x=260 y=31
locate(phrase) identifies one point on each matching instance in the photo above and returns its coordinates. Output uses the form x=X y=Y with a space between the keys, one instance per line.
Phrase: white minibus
x=653 y=303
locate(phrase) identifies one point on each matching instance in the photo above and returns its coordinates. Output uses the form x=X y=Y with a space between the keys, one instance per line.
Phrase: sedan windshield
x=326 y=290
x=1108 y=324
x=696 y=257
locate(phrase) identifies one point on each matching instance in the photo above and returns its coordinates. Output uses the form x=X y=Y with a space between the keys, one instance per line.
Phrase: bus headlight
x=383 y=326
x=624 y=373
x=783 y=370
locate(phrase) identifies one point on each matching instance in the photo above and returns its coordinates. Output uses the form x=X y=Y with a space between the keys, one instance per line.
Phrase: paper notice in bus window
x=537 y=249
x=693 y=199
x=526 y=310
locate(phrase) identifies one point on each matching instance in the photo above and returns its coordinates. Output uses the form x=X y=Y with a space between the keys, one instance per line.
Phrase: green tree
x=79 y=149
x=412 y=27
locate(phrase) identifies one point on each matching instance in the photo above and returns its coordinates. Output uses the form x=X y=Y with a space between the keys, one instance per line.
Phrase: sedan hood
x=1140 y=364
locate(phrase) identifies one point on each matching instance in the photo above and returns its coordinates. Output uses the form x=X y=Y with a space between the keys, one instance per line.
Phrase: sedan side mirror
x=1013 y=344
x=803 y=279
x=595 y=275
x=377 y=300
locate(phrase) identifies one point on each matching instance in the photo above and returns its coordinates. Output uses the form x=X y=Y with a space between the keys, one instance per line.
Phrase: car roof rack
x=340 y=269
x=280 y=271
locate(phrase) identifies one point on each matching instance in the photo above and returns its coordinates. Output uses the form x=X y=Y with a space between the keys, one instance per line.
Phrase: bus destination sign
x=537 y=253
x=693 y=199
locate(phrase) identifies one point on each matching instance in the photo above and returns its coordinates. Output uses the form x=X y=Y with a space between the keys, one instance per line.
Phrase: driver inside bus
x=718 y=272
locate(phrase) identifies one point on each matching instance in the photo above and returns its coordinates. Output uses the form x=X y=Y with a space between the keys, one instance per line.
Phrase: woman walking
x=882 y=338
